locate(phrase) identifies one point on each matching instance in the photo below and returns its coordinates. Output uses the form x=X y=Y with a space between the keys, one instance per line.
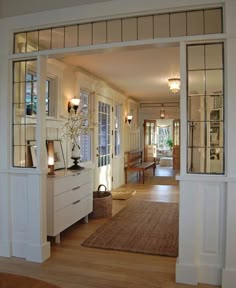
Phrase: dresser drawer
x=71 y=214
x=71 y=181
x=69 y=197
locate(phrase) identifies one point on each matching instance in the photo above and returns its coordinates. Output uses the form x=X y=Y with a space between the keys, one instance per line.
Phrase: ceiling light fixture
x=174 y=84
x=162 y=112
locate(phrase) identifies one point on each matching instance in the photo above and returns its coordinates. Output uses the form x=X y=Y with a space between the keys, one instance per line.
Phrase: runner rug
x=142 y=227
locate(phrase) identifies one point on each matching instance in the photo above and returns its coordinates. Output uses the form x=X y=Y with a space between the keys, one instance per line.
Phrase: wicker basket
x=102 y=203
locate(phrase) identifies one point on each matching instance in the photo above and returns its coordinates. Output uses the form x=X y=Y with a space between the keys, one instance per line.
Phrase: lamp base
x=76 y=166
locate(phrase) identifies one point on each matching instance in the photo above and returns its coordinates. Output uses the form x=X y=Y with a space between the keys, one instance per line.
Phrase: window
x=85 y=139
x=174 y=24
x=23 y=128
x=163 y=134
x=104 y=134
x=31 y=94
x=205 y=118
x=117 y=129
x=24 y=105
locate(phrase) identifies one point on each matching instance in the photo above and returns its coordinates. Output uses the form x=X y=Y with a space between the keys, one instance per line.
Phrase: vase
x=75 y=155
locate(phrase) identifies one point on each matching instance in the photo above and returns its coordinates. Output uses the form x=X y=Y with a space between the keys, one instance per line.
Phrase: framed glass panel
x=214 y=56
x=196 y=82
x=117 y=129
x=45 y=39
x=178 y=24
x=214 y=82
x=213 y=21
x=58 y=38
x=32 y=41
x=20 y=42
x=99 y=32
x=206 y=109
x=71 y=36
x=113 y=31
x=162 y=26
x=196 y=57
x=145 y=27
x=85 y=34
x=129 y=29
x=195 y=23
x=104 y=134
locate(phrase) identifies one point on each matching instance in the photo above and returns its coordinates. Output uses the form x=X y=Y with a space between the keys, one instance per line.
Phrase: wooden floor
x=74 y=266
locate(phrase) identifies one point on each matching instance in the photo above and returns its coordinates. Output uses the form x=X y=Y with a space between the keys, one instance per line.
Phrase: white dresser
x=69 y=199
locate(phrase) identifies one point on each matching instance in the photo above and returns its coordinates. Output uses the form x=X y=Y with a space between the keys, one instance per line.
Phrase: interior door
x=149 y=139
x=104 y=148
x=176 y=142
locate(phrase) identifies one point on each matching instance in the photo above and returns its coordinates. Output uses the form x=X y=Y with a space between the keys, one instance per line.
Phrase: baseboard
x=36 y=253
x=193 y=274
x=228 y=278
x=18 y=249
x=186 y=274
x=5 y=249
x=209 y=274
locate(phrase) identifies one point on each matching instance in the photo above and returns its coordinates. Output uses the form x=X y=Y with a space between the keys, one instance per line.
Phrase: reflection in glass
x=214 y=82
x=32 y=41
x=196 y=82
x=45 y=39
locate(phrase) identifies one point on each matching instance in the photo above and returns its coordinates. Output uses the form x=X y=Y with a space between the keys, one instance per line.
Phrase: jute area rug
x=18 y=281
x=143 y=227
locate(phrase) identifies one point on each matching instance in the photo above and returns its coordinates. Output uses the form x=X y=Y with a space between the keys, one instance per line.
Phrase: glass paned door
x=104 y=153
x=149 y=139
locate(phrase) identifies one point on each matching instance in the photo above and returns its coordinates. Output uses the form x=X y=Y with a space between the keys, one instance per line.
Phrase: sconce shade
x=73 y=103
x=174 y=84
x=128 y=119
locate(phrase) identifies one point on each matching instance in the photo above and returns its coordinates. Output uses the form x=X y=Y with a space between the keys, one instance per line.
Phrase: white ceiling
x=139 y=72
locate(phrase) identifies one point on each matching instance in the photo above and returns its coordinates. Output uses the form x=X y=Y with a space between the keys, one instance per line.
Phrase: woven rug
x=143 y=227
x=8 y=280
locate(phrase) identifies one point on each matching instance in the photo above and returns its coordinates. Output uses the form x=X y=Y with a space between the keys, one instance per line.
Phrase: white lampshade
x=75 y=101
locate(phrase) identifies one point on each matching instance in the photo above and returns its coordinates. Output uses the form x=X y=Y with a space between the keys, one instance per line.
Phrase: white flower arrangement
x=78 y=122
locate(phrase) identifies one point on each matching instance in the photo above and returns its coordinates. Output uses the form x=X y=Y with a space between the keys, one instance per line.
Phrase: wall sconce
x=50 y=148
x=73 y=103
x=162 y=112
x=174 y=84
x=128 y=119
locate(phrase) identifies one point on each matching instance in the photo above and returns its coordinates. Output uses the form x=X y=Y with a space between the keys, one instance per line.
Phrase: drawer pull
x=76 y=174
x=78 y=187
x=76 y=202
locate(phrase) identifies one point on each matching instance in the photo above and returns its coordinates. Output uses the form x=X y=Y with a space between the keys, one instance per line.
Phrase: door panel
x=104 y=151
x=149 y=140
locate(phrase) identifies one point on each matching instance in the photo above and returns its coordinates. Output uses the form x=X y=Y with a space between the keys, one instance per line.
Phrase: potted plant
x=170 y=143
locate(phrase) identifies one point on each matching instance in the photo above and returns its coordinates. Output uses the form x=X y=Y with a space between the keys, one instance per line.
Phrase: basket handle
x=102 y=185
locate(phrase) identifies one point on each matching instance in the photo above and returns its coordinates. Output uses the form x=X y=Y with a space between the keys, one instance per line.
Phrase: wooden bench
x=134 y=162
